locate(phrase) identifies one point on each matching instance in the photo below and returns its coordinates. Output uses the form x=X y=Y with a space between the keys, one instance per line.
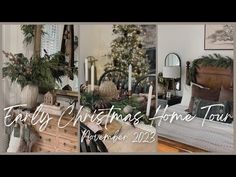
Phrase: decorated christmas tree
x=127 y=48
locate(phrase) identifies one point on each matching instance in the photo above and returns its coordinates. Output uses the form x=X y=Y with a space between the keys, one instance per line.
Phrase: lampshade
x=171 y=72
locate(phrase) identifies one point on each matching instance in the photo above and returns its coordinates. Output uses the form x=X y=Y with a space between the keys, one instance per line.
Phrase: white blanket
x=212 y=136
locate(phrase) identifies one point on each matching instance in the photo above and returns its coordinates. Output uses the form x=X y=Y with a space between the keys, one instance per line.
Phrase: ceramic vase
x=29 y=96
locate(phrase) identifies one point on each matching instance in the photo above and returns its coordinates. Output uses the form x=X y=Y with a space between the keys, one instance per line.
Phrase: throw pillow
x=227 y=95
x=198 y=103
x=203 y=93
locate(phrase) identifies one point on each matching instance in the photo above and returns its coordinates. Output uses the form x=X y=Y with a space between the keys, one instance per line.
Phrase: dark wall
x=151 y=52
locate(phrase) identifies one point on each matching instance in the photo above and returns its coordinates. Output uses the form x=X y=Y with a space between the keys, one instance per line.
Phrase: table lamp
x=171 y=72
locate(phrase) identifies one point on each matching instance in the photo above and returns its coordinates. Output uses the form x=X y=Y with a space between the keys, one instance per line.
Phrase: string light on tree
x=127 y=49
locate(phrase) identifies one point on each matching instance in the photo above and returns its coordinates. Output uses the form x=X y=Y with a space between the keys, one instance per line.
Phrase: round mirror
x=172 y=59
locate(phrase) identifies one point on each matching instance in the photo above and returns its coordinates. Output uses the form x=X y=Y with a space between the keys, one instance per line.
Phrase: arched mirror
x=172 y=70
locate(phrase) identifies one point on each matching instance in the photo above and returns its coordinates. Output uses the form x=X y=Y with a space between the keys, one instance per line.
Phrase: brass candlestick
x=129 y=93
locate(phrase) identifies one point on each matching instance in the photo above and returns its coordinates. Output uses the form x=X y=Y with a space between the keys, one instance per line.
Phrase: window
x=51 y=40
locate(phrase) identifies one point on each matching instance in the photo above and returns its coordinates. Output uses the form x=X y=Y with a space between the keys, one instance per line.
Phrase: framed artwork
x=219 y=37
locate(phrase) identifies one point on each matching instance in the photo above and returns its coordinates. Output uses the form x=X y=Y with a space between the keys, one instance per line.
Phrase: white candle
x=149 y=101
x=92 y=78
x=86 y=69
x=130 y=78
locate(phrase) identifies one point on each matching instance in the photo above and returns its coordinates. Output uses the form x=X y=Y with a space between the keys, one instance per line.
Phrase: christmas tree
x=127 y=48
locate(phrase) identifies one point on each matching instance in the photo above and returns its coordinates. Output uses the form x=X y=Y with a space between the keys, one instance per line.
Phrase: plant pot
x=29 y=96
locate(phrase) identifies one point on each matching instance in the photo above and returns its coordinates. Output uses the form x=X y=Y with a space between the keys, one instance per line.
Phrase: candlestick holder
x=129 y=94
x=92 y=97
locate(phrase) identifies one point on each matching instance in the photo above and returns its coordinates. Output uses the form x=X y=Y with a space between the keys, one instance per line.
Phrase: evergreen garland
x=215 y=60
x=132 y=102
x=29 y=33
x=44 y=72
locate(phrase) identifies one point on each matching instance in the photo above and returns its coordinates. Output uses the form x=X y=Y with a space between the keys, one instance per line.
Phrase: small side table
x=172 y=101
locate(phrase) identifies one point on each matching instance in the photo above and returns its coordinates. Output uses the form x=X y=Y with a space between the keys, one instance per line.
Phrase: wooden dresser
x=54 y=139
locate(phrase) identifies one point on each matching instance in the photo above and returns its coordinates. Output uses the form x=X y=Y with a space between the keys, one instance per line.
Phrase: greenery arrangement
x=88 y=99
x=44 y=72
x=29 y=32
x=127 y=48
x=216 y=60
x=135 y=104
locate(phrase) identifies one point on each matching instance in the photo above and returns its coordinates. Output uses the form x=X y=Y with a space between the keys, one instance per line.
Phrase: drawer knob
x=49 y=126
x=65 y=130
x=49 y=139
x=64 y=144
x=75 y=147
x=40 y=137
x=76 y=133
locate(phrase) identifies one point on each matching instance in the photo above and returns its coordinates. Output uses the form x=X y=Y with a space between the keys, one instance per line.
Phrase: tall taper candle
x=86 y=69
x=92 y=78
x=130 y=78
x=149 y=101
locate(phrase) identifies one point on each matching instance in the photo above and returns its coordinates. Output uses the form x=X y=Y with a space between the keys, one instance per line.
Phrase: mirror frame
x=179 y=79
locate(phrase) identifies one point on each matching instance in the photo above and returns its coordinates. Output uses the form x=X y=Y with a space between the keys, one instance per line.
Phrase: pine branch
x=213 y=60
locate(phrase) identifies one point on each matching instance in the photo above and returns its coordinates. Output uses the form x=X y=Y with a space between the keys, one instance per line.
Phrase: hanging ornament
x=140 y=46
x=135 y=62
x=138 y=71
x=125 y=33
x=115 y=62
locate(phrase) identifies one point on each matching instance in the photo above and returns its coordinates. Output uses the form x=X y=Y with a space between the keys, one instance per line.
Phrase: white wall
x=3 y=136
x=185 y=40
x=13 y=42
x=95 y=41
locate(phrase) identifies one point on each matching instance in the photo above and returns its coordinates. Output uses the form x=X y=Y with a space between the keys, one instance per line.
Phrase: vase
x=29 y=96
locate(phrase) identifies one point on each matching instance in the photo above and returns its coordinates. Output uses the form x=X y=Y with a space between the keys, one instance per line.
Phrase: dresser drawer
x=67 y=151
x=68 y=144
x=69 y=131
x=50 y=128
x=47 y=139
x=64 y=122
x=42 y=148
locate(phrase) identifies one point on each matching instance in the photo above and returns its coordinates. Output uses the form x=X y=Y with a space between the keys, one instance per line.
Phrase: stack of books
x=52 y=109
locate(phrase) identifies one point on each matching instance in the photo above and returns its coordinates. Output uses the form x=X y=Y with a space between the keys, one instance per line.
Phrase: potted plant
x=34 y=73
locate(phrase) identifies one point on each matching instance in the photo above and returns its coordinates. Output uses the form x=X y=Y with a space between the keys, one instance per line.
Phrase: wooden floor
x=165 y=145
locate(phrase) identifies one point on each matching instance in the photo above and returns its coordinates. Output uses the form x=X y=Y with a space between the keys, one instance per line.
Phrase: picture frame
x=218 y=37
x=168 y=95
